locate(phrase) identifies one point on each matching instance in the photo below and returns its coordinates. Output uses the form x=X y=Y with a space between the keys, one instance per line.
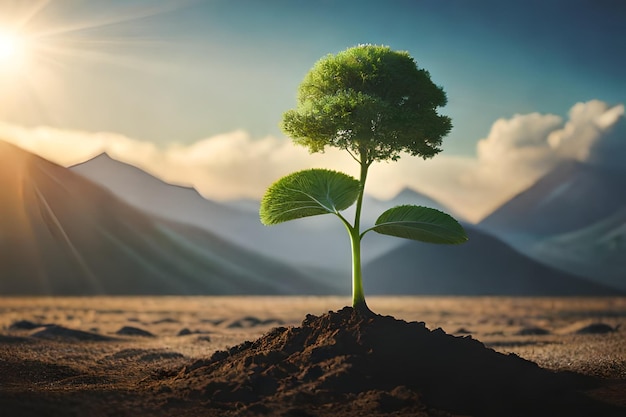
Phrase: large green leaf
x=308 y=193
x=420 y=223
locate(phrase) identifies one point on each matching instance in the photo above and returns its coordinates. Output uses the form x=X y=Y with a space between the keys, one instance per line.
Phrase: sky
x=193 y=91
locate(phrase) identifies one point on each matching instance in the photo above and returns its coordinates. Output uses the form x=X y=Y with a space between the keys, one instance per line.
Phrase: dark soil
x=350 y=364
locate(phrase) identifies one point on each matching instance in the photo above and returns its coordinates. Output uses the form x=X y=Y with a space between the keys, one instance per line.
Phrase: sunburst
x=9 y=46
x=41 y=51
x=13 y=50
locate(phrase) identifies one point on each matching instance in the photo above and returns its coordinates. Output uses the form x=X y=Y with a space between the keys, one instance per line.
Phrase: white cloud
x=231 y=165
x=520 y=150
x=515 y=153
x=64 y=147
x=588 y=123
x=522 y=134
x=227 y=166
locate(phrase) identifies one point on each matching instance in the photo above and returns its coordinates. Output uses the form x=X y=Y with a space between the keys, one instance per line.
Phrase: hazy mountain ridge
x=306 y=243
x=598 y=250
x=320 y=247
x=62 y=234
x=571 y=219
x=483 y=265
x=571 y=197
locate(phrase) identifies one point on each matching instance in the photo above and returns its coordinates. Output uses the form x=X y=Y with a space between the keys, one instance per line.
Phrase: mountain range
x=317 y=243
x=105 y=227
x=573 y=219
x=483 y=265
x=597 y=251
x=60 y=233
x=318 y=246
x=568 y=198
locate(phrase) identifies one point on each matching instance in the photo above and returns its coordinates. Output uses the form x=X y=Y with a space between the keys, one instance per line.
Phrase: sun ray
x=30 y=13
x=58 y=231
x=46 y=46
x=129 y=14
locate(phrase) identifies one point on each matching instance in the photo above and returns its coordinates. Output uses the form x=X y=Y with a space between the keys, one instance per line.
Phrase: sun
x=47 y=48
x=10 y=44
x=12 y=50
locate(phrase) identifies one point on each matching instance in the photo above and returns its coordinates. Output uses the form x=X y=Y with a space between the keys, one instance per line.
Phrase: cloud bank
x=516 y=152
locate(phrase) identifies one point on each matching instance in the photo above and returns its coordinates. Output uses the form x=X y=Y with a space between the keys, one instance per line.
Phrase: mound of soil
x=349 y=364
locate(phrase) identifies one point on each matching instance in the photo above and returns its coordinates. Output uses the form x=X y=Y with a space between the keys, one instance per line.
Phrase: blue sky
x=171 y=76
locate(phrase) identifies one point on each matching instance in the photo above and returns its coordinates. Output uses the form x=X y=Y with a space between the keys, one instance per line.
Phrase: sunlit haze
x=193 y=92
x=9 y=46
x=13 y=50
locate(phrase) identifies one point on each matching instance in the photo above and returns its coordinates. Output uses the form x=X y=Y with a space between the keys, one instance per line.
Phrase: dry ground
x=94 y=348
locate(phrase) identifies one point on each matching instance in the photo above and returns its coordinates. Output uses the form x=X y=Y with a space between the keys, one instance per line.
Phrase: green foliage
x=308 y=193
x=420 y=223
x=371 y=101
x=375 y=103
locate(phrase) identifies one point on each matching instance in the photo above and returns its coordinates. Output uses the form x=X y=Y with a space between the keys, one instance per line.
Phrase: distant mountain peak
x=104 y=155
x=571 y=196
x=409 y=193
x=105 y=163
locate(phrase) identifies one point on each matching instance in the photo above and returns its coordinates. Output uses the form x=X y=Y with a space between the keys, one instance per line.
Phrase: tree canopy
x=371 y=101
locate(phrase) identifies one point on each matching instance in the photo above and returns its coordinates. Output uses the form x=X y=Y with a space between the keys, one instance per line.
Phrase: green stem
x=358 y=296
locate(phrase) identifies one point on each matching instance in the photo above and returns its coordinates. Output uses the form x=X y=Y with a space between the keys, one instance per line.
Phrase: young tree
x=375 y=103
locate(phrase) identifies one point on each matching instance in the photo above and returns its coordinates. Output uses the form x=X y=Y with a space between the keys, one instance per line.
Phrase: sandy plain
x=71 y=355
